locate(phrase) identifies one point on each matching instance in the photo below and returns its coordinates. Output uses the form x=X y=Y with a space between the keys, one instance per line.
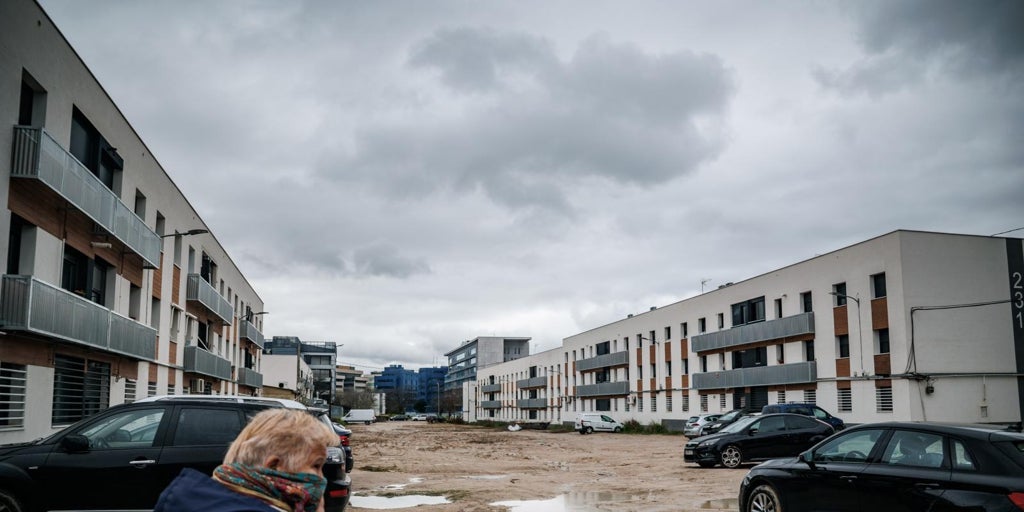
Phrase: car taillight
x=337 y=493
x=1018 y=499
x=344 y=440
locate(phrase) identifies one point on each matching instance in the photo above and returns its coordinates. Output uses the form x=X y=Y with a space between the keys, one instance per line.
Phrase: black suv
x=123 y=457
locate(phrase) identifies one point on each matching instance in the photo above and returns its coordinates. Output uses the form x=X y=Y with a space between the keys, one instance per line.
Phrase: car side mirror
x=808 y=458
x=74 y=443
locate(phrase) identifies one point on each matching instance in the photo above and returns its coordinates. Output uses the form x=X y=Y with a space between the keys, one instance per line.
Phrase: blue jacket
x=193 y=491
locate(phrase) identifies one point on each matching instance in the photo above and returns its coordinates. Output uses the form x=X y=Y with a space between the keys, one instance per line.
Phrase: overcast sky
x=399 y=176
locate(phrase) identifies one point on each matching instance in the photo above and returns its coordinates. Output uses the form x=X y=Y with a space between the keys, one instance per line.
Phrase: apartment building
x=906 y=326
x=481 y=352
x=114 y=288
x=321 y=356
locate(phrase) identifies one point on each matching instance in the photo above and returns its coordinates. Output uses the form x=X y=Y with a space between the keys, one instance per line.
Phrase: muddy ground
x=475 y=466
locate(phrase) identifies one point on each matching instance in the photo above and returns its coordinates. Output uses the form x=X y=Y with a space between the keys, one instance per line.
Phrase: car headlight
x=709 y=442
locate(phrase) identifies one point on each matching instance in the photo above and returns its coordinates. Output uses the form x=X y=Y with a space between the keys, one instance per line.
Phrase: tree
x=351 y=399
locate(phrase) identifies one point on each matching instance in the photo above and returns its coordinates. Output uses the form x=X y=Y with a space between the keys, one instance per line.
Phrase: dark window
x=653 y=339
x=32 y=104
x=207 y=426
x=721 y=321
x=668 y=333
x=883 y=341
x=878 y=285
x=750 y=358
x=603 y=404
x=90 y=148
x=686 y=366
x=201 y=335
x=13 y=378
x=602 y=349
x=668 y=368
x=602 y=375
x=685 y=329
x=844 y=345
x=805 y=300
x=704 y=363
x=14 y=244
x=771 y=424
x=839 y=289
x=809 y=350
x=702 y=325
x=799 y=423
x=749 y=311
x=80 y=388
x=778 y=308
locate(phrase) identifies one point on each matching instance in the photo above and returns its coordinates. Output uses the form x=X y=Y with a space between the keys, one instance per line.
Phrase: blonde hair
x=288 y=434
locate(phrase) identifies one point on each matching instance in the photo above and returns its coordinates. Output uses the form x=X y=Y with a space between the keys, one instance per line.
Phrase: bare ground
x=475 y=466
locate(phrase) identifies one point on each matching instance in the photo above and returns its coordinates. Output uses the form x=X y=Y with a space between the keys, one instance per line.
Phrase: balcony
x=249 y=331
x=532 y=382
x=200 y=361
x=795 y=325
x=794 y=373
x=27 y=304
x=491 y=404
x=490 y=388
x=37 y=155
x=532 y=403
x=251 y=378
x=603 y=361
x=603 y=389
x=202 y=292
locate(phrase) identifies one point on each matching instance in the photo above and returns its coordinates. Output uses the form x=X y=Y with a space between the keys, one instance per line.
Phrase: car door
x=910 y=475
x=828 y=481
x=764 y=437
x=801 y=433
x=115 y=467
x=198 y=437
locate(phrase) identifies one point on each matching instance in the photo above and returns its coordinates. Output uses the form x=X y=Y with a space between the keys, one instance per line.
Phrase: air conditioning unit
x=198 y=386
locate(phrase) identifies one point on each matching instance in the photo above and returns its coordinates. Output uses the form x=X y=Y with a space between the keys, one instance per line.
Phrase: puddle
x=388 y=503
x=723 y=504
x=573 y=502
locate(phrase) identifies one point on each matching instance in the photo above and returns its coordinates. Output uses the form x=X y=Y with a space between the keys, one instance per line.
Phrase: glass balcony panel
x=603 y=389
x=795 y=325
x=200 y=361
x=249 y=331
x=603 y=361
x=532 y=403
x=490 y=404
x=490 y=388
x=204 y=293
x=794 y=373
x=533 y=382
x=249 y=377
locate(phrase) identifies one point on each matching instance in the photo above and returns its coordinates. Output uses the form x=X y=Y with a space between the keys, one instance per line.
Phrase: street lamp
x=860 y=332
x=187 y=233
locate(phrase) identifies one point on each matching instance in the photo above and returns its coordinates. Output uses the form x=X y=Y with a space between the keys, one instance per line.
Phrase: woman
x=274 y=465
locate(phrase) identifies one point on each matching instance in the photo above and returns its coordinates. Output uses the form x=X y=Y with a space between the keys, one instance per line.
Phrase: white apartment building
x=114 y=288
x=906 y=326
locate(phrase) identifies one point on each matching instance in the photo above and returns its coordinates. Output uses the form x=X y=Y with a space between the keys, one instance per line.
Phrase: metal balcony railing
x=247 y=377
x=532 y=403
x=204 y=293
x=248 y=330
x=603 y=389
x=37 y=155
x=793 y=373
x=532 y=382
x=28 y=304
x=795 y=325
x=603 y=361
x=200 y=361
x=491 y=404
x=490 y=388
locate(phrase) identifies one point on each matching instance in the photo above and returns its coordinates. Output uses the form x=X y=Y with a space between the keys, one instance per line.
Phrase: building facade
x=481 y=352
x=906 y=326
x=114 y=288
x=321 y=356
x=287 y=376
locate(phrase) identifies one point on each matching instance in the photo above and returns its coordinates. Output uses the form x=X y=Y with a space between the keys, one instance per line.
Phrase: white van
x=360 y=416
x=588 y=423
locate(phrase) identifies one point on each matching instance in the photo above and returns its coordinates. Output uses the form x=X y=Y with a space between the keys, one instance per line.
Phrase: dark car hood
x=785 y=461
x=10 y=449
x=711 y=437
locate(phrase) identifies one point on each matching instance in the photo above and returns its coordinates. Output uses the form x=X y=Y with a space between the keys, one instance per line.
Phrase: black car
x=344 y=436
x=896 y=467
x=756 y=438
x=724 y=420
x=123 y=457
x=811 y=410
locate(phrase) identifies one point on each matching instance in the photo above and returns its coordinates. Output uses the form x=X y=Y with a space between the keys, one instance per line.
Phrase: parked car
x=344 y=436
x=420 y=417
x=366 y=416
x=757 y=438
x=141 y=447
x=723 y=420
x=399 y=417
x=694 y=424
x=896 y=467
x=811 y=410
x=589 y=423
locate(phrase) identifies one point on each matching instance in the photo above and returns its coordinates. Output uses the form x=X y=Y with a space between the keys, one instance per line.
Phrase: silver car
x=694 y=424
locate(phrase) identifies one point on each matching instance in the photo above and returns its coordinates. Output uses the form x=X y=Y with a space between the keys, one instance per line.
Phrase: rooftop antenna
x=702 y=283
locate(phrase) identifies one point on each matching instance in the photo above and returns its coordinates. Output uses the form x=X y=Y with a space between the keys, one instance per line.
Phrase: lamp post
x=860 y=332
x=187 y=233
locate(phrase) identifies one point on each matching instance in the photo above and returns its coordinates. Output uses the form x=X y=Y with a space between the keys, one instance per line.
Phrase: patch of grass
x=635 y=427
x=379 y=469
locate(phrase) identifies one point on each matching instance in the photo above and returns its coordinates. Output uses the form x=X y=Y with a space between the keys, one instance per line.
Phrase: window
x=160 y=227
x=843 y=344
x=780 y=354
x=151 y=389
x=883 y=340
x=883 y=399
x=878 y=285
x=704 y=363
x=702 y=325
x=849 y=447
x=602 y=404
x=810 y=396
x=12 y=396
x=962 y=459
x=839 y=290
x=93 y=151
x=919 y=449
x=778 y=308
x=684 y=329
x=668 y=401
x=80 y=388
x=129 y=391
x=198 y=427
x=686 y=401
x=686 y=366
x=845 y=400
x=782 y=397
x=654 y=370
x=32 y=103
x=668 y=368
x=654 y=403
x=640 y=404
x=721 y=401
x=130 y=429
x=809 y=350
x=603 y=348
x=805 y=302
x=721 y=320
x=140 y=204
x=703 y=403
x=749 y=311
x=653 y=340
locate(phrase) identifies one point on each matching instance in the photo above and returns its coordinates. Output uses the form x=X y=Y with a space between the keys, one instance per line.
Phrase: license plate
x=687 y=452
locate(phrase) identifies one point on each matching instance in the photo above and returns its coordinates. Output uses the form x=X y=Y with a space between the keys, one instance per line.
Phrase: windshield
x=731 y=415
x=738 y=425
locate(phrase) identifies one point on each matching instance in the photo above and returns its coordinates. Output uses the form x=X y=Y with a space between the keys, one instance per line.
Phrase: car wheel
x=731 y=456
x=706 y=464
x=763 y=499
x=618 y=429
x=9 y=503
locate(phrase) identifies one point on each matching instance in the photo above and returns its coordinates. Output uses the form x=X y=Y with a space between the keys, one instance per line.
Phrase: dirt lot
x=475 y=466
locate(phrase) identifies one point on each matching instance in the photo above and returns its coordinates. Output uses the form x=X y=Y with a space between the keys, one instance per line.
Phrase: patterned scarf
x=292 y=492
